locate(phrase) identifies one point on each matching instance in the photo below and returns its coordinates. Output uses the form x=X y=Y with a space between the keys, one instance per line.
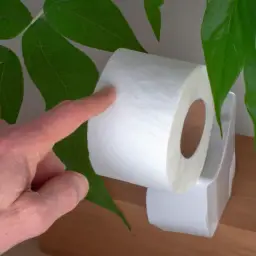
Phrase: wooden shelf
x=91 y=230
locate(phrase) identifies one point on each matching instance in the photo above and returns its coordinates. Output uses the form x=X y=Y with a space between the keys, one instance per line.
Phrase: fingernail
x=106 y=91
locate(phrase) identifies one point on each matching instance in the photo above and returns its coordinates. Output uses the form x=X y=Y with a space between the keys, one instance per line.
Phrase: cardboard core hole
x=193 y=128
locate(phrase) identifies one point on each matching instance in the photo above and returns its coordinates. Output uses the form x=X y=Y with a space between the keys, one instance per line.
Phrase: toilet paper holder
x=198 y=210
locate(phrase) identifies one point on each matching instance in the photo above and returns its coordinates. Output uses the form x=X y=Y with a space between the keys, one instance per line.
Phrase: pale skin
x=35 y=188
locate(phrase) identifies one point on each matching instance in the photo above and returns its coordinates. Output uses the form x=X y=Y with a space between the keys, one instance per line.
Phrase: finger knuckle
x=9 y=141
x=6 y=145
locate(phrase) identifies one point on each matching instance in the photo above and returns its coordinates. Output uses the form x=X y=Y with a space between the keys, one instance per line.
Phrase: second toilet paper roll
x=138 y=139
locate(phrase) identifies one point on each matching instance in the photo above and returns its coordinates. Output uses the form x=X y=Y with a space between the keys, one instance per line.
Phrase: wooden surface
x=93 y=231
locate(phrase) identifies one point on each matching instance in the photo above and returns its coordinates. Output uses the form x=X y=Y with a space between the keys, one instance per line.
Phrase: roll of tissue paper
x=199 y=210
x=138 y=138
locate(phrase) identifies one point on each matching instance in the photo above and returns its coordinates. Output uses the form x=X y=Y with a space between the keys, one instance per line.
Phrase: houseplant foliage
x=61 y=71
x=228 y=37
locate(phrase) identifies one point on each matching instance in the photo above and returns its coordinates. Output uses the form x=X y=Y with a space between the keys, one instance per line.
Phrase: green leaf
x=14 y=17
x=63 y=72
x=250 y=82
x=11 y=85
x=247 y=11
x=95 y=23
x=223 y=48
x=152 y=8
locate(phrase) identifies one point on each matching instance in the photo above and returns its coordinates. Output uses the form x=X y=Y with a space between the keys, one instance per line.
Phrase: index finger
x=64 y=119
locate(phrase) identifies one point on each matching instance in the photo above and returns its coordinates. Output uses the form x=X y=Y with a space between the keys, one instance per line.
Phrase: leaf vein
x=99 y=26
x=53 y=68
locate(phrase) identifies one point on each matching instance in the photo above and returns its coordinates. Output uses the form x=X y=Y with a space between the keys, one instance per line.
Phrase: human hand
x=34 y=188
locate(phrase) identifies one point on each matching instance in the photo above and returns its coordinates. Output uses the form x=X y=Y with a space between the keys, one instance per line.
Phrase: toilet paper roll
x=138 y=138
x=199 y=210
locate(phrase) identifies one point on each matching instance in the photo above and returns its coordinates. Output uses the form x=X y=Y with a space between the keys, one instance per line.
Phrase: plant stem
x=38 y=16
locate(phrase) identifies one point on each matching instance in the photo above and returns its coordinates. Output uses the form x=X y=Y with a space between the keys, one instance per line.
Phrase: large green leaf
x=250 y=82
x=95 y=23
x=14 y=17
x=247 y=10
x=63 y=72
x=223 y=47
x=152 y=8
x=11 y=85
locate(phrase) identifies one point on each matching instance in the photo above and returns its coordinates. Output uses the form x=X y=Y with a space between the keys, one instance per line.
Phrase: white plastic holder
x=199 y=210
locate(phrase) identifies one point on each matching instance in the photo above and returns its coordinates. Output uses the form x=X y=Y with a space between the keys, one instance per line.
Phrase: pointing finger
x=62 y=120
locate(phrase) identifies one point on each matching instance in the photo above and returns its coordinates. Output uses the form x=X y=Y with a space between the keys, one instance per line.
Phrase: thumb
x=34 y=212
x=61 y=194
x=54 y=199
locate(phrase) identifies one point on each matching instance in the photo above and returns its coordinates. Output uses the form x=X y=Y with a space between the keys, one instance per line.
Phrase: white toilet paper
x=198 y=211
x=137 y=139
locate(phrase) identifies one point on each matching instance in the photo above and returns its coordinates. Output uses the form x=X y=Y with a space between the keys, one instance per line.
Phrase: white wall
x=180 y=39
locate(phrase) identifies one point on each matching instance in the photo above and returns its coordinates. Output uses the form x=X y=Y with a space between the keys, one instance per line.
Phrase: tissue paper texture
x=137 y=139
